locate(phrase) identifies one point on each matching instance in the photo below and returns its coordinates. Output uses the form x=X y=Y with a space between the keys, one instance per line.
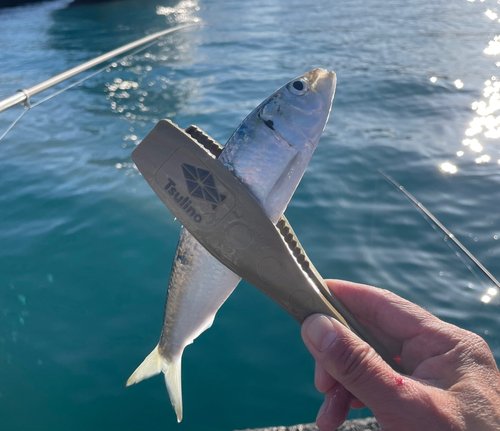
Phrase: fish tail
x=153 y=365
x=172 y=371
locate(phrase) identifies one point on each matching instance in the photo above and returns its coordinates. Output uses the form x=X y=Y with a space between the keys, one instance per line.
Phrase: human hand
x=452 y=380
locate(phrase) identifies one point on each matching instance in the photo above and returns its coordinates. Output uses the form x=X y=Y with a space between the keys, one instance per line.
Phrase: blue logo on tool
x=201 y=184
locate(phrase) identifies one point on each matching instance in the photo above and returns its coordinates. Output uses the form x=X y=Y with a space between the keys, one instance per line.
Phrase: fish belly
x=199 y=285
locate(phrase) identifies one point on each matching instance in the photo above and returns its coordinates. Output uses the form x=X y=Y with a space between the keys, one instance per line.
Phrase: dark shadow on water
x=102 y=26
x=15 y=3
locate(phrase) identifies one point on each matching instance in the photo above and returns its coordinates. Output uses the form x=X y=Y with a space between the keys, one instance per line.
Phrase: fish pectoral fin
x=283 y=189
x=151 y=366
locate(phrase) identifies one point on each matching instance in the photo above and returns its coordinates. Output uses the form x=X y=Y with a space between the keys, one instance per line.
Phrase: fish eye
x=298 y=87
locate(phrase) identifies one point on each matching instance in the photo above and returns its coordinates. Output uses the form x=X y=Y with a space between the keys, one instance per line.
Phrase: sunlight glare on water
x=86 y=246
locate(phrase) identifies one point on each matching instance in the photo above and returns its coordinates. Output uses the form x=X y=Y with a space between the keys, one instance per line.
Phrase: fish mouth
x=315 y=74
x=323 y=82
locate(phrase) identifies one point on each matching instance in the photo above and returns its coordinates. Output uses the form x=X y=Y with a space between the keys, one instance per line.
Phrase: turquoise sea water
x=86 y=246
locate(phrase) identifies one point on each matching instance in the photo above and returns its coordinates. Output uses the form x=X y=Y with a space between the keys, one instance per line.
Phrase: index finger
x=384 y=310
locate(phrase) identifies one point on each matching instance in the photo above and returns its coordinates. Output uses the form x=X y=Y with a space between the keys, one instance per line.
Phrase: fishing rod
x=23 y=96
x=449 y=235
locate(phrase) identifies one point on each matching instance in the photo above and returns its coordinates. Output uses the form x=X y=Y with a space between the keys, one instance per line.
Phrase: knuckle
x=474 y=343
x=352 y=362
x=473 y=348
x=479 y=344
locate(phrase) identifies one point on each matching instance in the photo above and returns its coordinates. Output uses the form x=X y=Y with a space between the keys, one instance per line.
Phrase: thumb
x=352 y=362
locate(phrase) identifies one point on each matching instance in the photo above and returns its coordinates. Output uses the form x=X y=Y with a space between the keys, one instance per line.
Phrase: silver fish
x=269 y=153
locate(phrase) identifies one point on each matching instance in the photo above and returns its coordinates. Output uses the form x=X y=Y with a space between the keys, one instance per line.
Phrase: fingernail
x=321 y=333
